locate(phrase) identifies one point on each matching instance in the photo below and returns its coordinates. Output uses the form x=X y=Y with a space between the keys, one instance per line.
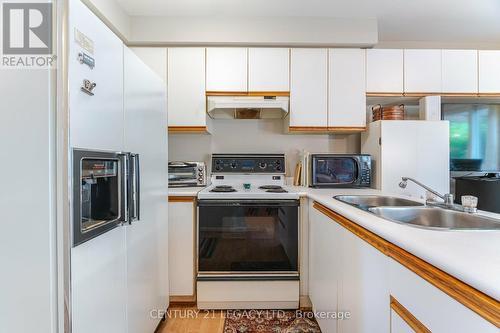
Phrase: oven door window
x=335 y=171
x=100 y=193
x=248 y=236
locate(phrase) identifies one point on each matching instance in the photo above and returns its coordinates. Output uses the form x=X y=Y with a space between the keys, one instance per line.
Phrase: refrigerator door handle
x=135 y=188
x=124 y=193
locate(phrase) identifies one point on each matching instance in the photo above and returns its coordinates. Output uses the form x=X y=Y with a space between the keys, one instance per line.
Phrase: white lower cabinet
x=348 y=274
x=181 y=245
x=430 y=306
x=324 y=247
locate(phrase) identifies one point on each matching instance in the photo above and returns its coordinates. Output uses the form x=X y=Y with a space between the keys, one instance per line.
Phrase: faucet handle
x=469 y=203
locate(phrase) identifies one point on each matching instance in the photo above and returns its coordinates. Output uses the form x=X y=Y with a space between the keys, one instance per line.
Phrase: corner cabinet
x=181 y=248
x=186 y=102
x=383 y=287
x=346 y=90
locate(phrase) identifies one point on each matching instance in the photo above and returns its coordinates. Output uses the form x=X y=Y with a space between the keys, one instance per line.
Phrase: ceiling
x=398 y=20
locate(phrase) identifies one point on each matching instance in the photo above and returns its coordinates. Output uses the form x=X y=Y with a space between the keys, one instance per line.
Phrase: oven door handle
x=246 y=203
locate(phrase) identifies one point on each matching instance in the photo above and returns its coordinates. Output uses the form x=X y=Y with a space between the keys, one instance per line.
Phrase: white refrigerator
x=118 y=279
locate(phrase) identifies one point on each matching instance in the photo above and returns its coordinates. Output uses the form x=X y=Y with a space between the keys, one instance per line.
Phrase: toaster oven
x=185 y=174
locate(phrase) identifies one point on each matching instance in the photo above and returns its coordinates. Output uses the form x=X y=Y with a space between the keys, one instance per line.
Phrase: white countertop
x=184 y=191
x=470 y=256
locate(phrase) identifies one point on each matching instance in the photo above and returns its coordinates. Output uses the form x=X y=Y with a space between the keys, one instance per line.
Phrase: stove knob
x=278 y=162
x=278 y=168
x=218 y=168
x=233 y=165
x=262 y=165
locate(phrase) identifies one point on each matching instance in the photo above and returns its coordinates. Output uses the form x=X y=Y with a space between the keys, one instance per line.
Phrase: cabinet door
x=227 y=69
x=324 y=252
x=363 y=286
x=445 y=315
x=145 y=134
x=309 y=88
x=422 y=71
x=384 y=71
x=186 y=102
x=346 y=89
x=96 y=121
x=268 y=69
x=489 y=72
x=181 y=245
x=459 y=71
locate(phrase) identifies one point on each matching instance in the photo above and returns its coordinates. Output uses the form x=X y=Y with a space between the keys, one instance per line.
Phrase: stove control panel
x=248 y=163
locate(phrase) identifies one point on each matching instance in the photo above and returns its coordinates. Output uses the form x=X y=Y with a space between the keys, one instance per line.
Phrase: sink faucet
x=447 y=198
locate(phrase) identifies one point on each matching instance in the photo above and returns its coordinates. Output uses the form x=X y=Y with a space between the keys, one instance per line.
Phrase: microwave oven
x=340 y=170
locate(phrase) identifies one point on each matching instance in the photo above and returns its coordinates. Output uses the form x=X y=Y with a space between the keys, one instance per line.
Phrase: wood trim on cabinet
x=187 y=129
x=182 y=300
x=384 y=94
x=422 y=94
x=475 y=300
x=408 y=317
x=248 y=93
x=308 y=129
x=181 y=198
x=346 y=129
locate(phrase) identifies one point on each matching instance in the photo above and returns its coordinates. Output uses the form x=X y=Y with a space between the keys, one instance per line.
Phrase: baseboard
x=182 y=300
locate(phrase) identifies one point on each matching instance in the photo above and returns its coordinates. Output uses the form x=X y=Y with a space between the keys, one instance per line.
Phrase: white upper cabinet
x=227 y=69
x=186 y=102
x=459 y=71
x=489 y=71
x=309 y=88
x=384 y=71
x=422 y=71
x=268 y=69
x=346 y=95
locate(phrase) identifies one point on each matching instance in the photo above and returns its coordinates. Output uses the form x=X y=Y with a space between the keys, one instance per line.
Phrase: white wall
x=290 y=31
x=111 y=13
x=28 y=301
x=256 y=136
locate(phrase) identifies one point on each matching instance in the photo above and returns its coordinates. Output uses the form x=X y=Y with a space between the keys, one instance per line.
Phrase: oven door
x=335 y=171
x=248 y=238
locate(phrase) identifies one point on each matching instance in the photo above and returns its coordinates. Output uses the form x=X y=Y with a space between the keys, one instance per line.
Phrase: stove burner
x=223 y=188
x=270 y=187
x=277 y=190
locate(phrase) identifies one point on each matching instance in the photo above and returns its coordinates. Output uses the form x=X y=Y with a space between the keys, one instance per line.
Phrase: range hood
x=247 y=107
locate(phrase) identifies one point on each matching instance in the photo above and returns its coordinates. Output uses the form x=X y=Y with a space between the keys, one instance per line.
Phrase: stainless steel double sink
x=416 y=214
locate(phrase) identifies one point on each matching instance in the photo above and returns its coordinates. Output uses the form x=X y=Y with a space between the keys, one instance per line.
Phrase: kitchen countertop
x=184 y=191
x=471 y=256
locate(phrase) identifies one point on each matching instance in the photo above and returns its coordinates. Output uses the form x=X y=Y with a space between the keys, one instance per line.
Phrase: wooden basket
x=395 y=112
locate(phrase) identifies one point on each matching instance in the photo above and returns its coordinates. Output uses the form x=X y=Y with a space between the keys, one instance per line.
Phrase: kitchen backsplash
x=257 y=136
